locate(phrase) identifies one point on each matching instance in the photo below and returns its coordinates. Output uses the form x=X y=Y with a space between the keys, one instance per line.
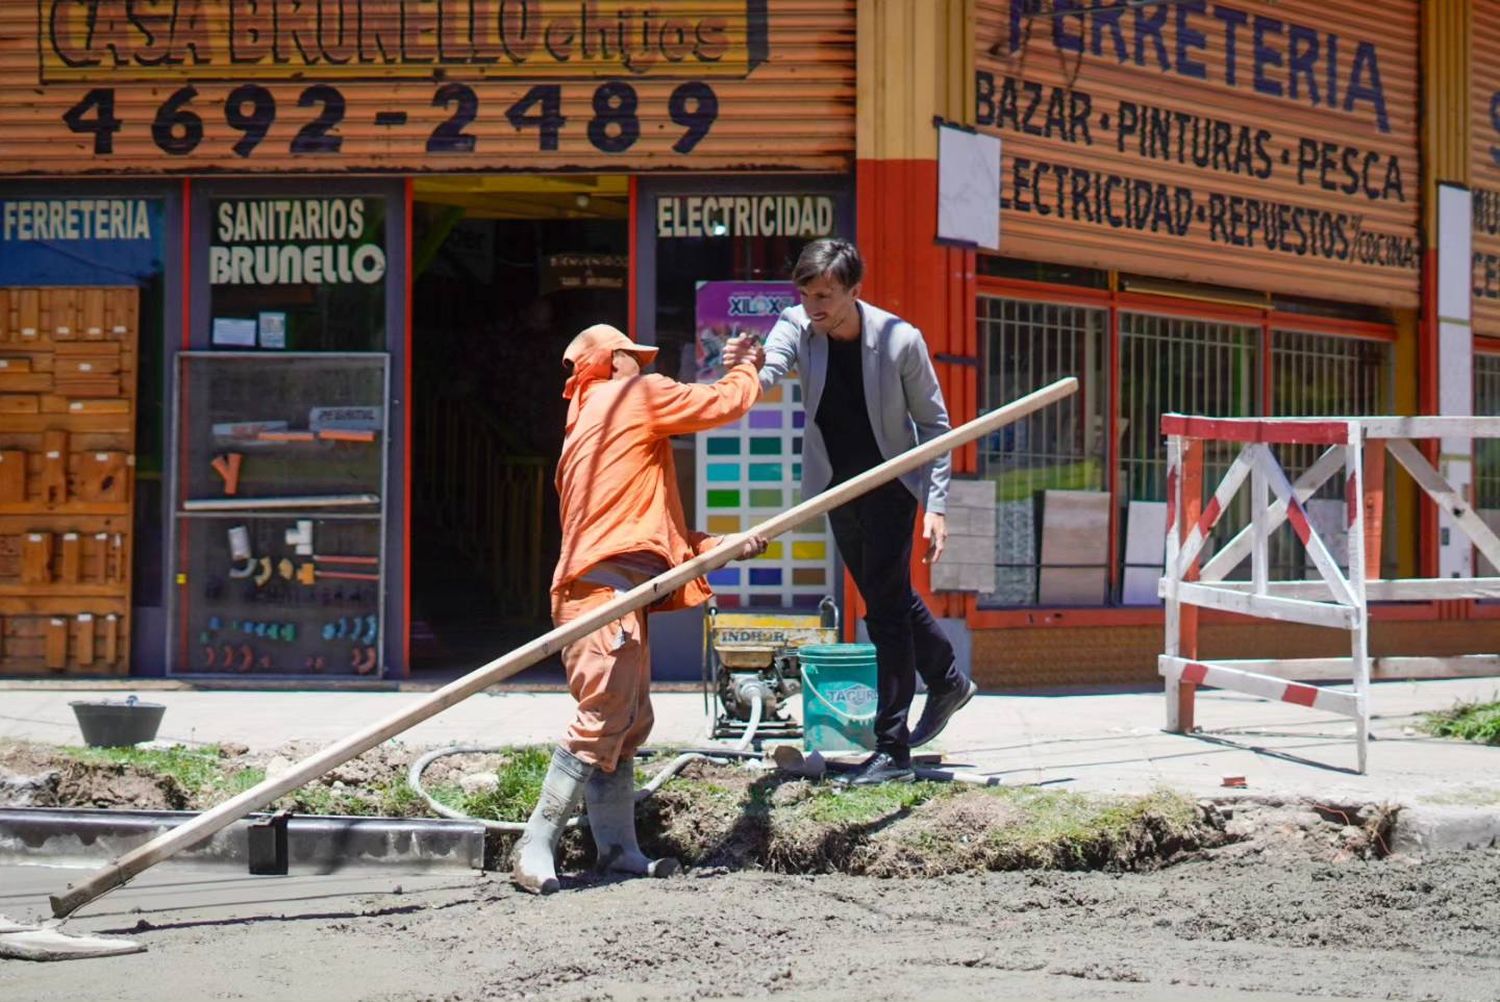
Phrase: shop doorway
x=505 y=270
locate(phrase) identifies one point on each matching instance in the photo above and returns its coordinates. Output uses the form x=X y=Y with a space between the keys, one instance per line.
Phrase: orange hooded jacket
x=616 y=480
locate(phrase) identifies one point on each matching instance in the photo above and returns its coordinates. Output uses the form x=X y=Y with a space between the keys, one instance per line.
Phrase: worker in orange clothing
x=622 y=525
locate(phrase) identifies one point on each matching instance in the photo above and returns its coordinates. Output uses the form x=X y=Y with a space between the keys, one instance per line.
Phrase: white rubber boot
x=535 y=867
x=611 y=802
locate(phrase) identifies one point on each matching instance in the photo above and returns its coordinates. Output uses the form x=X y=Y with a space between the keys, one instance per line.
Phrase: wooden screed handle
x=169 y=843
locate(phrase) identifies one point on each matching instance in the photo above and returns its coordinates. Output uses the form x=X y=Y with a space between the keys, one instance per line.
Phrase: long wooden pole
x=167 y=844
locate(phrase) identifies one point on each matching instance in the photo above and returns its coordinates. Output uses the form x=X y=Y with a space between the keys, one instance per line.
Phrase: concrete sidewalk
x=1105 y=743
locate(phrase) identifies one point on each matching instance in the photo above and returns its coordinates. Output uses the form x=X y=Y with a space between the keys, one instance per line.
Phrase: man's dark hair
x=838 y=259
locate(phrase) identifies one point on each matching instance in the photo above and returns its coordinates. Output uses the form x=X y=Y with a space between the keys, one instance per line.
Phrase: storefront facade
x=285 y=289
x=359 y=233
x=1205 y=208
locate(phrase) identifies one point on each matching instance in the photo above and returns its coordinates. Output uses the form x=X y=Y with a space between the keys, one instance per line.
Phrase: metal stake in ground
x=117 y=872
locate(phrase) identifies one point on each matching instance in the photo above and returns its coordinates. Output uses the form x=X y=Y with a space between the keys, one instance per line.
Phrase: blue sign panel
x=80 y=241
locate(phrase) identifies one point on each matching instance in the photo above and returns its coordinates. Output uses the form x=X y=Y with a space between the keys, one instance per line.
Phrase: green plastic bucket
x=839 y=697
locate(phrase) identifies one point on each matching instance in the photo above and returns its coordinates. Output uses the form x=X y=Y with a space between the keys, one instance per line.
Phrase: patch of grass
x=398 y=800
x=1479 y=722
x=1070 y=830
x=861 y=805
x=520 y=784
x=194 y=768
x=200 y=772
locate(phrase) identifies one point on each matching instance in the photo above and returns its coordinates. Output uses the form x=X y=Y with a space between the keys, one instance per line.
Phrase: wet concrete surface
x=1226 y=928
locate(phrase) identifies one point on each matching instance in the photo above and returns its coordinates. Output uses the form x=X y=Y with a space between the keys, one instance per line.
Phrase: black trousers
x=874 y=536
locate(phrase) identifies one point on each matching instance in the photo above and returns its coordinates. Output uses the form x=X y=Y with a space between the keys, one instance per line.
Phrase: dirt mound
x=734 y=818
x=725 y=817
x=89 y=784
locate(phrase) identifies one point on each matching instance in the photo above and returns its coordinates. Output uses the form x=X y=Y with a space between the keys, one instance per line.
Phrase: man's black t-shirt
x=842 y=416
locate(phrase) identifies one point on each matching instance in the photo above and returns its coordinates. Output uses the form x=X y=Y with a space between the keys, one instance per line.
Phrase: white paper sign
x=273 y=330
x=968 y=187
x=232 y=332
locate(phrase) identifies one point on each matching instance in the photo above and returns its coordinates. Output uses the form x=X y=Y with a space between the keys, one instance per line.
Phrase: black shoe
x=939 y=709
x=882 y=768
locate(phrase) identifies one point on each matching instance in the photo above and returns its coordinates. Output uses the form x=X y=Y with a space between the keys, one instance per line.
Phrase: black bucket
x=117 y=724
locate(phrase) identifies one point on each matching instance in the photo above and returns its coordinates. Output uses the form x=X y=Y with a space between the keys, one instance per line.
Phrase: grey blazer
x=902 y=395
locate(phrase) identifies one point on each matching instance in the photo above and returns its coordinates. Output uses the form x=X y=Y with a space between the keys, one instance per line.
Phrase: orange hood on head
x=589 y=368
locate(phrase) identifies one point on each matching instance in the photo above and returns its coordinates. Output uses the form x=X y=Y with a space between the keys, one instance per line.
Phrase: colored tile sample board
x=751 y=470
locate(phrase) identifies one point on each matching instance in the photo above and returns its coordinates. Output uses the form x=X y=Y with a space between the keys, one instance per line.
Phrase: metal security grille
x=1176 y=364
x=1323 y=375
x=1487 y=450
x=1027 y=345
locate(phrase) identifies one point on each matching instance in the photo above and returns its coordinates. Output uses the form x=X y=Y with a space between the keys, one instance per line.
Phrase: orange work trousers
x=609 y=674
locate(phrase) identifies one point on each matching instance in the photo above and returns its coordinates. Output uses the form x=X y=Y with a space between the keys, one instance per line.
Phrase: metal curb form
x=315 y=843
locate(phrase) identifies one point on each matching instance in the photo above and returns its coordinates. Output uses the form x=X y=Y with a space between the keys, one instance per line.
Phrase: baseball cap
x=608 y=337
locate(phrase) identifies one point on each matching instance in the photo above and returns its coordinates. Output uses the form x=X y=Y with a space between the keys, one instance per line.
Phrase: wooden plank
x=86 y=350
x=1191 y=490
x=19 y=403
x=1277 y=480
x=1267 y=606
x=1383 y=669
x=102 y=477
x=1387 y=590
x=85 y=597
x=83 y=646
x=25 y=382
x=1223 y=496
x=36 y=424
x=36 y=559
x=28 y=314
x=54 y=478
x=98 y=406
x=1430 y=427
x=56 y=635
x=91 y=313
x=94 y=388
x=12 y=476
x=111 y=649
x=72 y=509
x=70 y=566
x=1374 y=504
x=1448 y=499
x=1219 y=675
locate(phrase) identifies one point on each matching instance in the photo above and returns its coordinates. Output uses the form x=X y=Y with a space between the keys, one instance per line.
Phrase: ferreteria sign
x=79 y=241
x=179 y=86
x=1239 y=144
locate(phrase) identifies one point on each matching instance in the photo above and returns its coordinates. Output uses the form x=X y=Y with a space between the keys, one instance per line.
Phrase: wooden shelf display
x=67 y=470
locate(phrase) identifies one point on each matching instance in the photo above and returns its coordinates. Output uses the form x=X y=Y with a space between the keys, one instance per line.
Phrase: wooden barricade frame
x=1358 y=447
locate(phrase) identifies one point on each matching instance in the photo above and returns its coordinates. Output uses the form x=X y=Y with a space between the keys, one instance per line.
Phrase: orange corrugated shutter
x=1270 y=147
x=184 y=86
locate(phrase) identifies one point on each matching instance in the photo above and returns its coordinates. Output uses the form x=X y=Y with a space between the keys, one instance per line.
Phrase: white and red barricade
x=1356 y=446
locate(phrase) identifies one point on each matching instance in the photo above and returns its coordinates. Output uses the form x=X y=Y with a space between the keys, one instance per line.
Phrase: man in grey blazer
x=870 y=389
